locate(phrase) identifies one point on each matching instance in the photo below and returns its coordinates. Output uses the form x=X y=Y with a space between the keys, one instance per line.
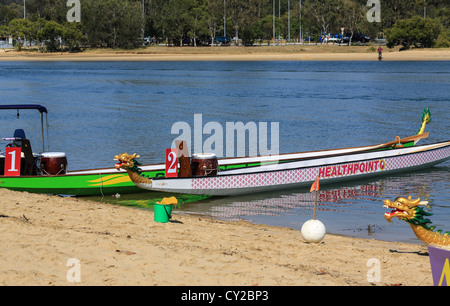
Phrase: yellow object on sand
x=168 y=201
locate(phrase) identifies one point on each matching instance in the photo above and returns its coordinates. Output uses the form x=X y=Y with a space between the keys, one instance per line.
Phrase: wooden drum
x=205 y=164
x=53 y=163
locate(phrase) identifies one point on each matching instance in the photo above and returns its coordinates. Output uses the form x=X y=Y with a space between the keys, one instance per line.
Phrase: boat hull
x=303 y=173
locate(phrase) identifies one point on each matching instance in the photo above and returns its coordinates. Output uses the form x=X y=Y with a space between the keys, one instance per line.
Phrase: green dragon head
x=426 y=118
x=127 y=162
x=426 y=115
x=408 y=210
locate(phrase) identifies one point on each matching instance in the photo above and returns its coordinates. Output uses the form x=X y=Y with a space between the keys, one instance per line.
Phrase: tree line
x=124 y=23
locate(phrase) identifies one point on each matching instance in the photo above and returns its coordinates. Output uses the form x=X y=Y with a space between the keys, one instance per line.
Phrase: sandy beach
x=232 y=53
x=45 y=237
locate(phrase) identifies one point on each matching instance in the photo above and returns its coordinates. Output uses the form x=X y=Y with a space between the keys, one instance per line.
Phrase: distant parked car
x=191 y=41
x=357 y=37
x=332 y=37
x=222 y=40
x=362 y=38
x=380 y=41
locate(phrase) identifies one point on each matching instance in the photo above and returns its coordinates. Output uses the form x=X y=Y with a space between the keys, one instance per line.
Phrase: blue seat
x=29 y=167
x=19 y=133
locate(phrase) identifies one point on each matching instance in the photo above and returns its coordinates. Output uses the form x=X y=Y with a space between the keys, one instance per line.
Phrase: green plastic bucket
x=163 y=213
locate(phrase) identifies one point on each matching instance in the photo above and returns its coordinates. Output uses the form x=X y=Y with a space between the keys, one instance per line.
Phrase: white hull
x=302 y=173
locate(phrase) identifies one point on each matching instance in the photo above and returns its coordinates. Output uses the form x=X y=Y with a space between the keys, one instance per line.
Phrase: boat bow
x=131 y=165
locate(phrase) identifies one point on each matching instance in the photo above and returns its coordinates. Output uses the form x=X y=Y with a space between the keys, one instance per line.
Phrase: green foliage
x=177 y=19
x=4 y=31
x=50 y=34
x=10 y=12
x=121 y=24
x=417 y=31
x=55 y=10
x=443 y=40
x=112 y=23
x=248 y=35
x=22 y=29
x=73 y=36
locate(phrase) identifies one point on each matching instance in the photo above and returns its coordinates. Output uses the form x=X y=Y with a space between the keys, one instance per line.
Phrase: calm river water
x=99 y=109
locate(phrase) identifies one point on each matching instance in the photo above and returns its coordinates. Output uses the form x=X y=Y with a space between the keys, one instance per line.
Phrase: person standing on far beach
x=380 y=53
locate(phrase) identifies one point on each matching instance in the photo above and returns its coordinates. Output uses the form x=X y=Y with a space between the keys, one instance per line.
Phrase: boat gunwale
x=369 y=147
x=224 y=159
x=295 y=168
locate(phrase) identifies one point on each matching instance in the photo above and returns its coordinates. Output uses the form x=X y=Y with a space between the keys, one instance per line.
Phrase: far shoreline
x=233 y=53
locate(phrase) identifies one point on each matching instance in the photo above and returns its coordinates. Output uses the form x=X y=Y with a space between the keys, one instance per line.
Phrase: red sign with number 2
x=12 y=161
x=171 y=162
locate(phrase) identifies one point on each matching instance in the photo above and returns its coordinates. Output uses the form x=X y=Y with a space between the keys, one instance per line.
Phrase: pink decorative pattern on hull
x=309 y=174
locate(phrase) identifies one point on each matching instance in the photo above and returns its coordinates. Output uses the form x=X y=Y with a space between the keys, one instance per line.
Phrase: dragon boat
x=204 y=177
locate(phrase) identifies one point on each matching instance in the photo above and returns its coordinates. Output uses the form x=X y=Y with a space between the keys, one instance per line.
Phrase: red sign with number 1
x=171 y=162
x=12 y=161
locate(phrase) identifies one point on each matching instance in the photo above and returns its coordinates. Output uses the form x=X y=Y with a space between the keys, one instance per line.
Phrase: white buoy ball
x=313 y=231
